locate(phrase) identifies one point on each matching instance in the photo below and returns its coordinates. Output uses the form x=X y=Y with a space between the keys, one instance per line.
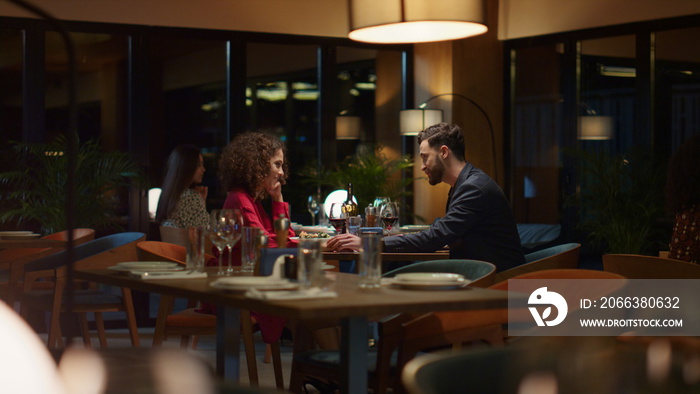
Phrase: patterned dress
x=191 y=211
x=685 y=242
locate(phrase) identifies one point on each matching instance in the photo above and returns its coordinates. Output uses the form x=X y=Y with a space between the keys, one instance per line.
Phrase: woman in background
x=182 y=201
x=683 y=200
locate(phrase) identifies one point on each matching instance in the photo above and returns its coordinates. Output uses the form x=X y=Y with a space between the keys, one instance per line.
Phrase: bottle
x=350 y=207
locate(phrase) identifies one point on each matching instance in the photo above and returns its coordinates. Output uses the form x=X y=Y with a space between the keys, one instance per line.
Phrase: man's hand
x=344 y=243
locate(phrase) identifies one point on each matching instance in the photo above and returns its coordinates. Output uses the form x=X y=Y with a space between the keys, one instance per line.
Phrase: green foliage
x=622 y=202
x=34 y=189
x=371 y=172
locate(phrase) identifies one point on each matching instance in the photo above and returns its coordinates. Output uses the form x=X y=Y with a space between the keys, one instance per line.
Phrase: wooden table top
x=351 y=300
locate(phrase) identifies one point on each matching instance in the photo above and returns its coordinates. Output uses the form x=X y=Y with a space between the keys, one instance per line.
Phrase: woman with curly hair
x=683 y=200
x=182 y=201
x=251 y=168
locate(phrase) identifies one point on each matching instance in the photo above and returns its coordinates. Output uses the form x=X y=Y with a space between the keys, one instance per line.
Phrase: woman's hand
x=202 y=191
x=275 y=192
x=344 y=243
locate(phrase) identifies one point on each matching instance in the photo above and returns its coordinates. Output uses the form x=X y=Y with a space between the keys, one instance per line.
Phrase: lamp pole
x=483 y=112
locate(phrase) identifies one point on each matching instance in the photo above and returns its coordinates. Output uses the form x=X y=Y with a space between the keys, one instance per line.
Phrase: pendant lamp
x=415 y=21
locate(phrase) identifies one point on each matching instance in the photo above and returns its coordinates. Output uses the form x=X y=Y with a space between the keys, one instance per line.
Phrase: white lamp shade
x=413 y=121
x=415 y=21
x=347 y=127
x=153 y=197
x=594 y=127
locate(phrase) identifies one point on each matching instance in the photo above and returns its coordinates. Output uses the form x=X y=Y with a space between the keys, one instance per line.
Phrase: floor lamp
x=412 y=121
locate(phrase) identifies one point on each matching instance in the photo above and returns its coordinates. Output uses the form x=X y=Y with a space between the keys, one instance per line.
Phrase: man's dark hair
x=446 y=134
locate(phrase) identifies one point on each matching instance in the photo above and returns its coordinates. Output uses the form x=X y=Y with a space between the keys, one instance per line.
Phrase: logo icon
x=543 y=297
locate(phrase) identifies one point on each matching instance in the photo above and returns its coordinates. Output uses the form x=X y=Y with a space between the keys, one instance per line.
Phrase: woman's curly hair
x=245 y=162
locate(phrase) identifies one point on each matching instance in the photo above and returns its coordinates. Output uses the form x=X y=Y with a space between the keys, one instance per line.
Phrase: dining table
x=353 y=306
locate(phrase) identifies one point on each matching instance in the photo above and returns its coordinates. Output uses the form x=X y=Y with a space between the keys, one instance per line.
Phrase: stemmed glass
x=389 y=215
x=338 y=217
x=314 y=208
x=221 y=233
x=234 y=217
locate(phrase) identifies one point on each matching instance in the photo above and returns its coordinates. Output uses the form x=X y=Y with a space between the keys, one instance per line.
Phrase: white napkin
x=169 y=275
x=314 y=292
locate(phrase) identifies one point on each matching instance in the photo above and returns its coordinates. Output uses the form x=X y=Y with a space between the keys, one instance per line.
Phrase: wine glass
x=220 y=233
x=337 y=217
x=379 y=203
x=234 y=220
x=314 y=208
x=390 y=215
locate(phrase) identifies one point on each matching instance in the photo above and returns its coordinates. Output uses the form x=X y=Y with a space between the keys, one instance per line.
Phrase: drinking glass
x=234 y=223
x=195 y=249
x=220 y=233
x=370 y=267
x=249 y=253
x=390 y=215
x=371 y=216
x=338 y=217
x=354 y=224
x=379 y=203
x=313 y=207
x=309 y=261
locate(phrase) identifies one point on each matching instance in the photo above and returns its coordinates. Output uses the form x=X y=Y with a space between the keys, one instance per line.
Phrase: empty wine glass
x=234 y=221
x=337 y=217
x=314 y=208
x=220 y=233
x=389 y=215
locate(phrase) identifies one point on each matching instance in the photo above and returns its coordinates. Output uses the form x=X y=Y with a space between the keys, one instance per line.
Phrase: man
x=478 y=223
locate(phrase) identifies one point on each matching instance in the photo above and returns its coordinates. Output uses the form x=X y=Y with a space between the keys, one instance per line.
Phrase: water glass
x=195 y=249
x=371 y=216
x=249 y=248
x=370 y=269
x=354 y=224
x=309 y=261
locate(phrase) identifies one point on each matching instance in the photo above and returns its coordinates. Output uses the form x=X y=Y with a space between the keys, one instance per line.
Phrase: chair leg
x=184 y=341
x=277 y=364
x=195 y=341
x=268 y=354
x=100 y=323
x=247 y=332
x=55 y=324
x=82 y=317
x=130 y=316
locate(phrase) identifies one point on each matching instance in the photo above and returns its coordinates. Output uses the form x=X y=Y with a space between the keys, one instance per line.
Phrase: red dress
x=685 y=241
x=254 y=215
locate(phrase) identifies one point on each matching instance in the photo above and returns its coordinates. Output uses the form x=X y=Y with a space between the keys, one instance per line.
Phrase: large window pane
x=282 y=98
x=677 y=85
x=538 y=135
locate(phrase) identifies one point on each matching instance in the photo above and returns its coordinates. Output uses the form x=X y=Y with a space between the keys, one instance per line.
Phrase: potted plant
x=34 y=187
x=621 y=202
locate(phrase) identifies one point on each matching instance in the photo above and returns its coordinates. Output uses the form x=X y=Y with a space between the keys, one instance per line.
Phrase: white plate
x=430 y=285
x=15 y=232
x=429 y=277
x=142 y=270
x=19 y=235
x=147 y=265
x=242 y=283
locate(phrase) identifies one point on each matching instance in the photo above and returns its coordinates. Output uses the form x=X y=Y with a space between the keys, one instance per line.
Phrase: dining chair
x=323 y=366
x=96 y=254
x=13 y=261
x=173 y=235
x=190 y=323
x=634 y=266
x=563 y=256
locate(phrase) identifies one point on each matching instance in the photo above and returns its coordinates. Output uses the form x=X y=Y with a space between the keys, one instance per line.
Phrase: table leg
x=228 y=342
x=353 y=350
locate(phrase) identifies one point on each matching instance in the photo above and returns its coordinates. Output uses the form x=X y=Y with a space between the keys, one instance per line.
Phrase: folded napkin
x=169 y=275
x=311 y=293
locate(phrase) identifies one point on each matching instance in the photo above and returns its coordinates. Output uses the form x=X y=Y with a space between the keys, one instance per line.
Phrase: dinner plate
x=147 y=265
x=243 y=283
x=142 y=270
x=429 y=277
x=15 y=232
x=430 y=285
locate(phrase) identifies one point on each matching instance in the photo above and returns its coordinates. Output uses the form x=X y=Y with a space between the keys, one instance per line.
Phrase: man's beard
x=436 y=173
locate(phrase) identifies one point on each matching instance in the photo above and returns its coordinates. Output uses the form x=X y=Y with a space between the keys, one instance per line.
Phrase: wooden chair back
x=634 y=266
x=173 y=235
